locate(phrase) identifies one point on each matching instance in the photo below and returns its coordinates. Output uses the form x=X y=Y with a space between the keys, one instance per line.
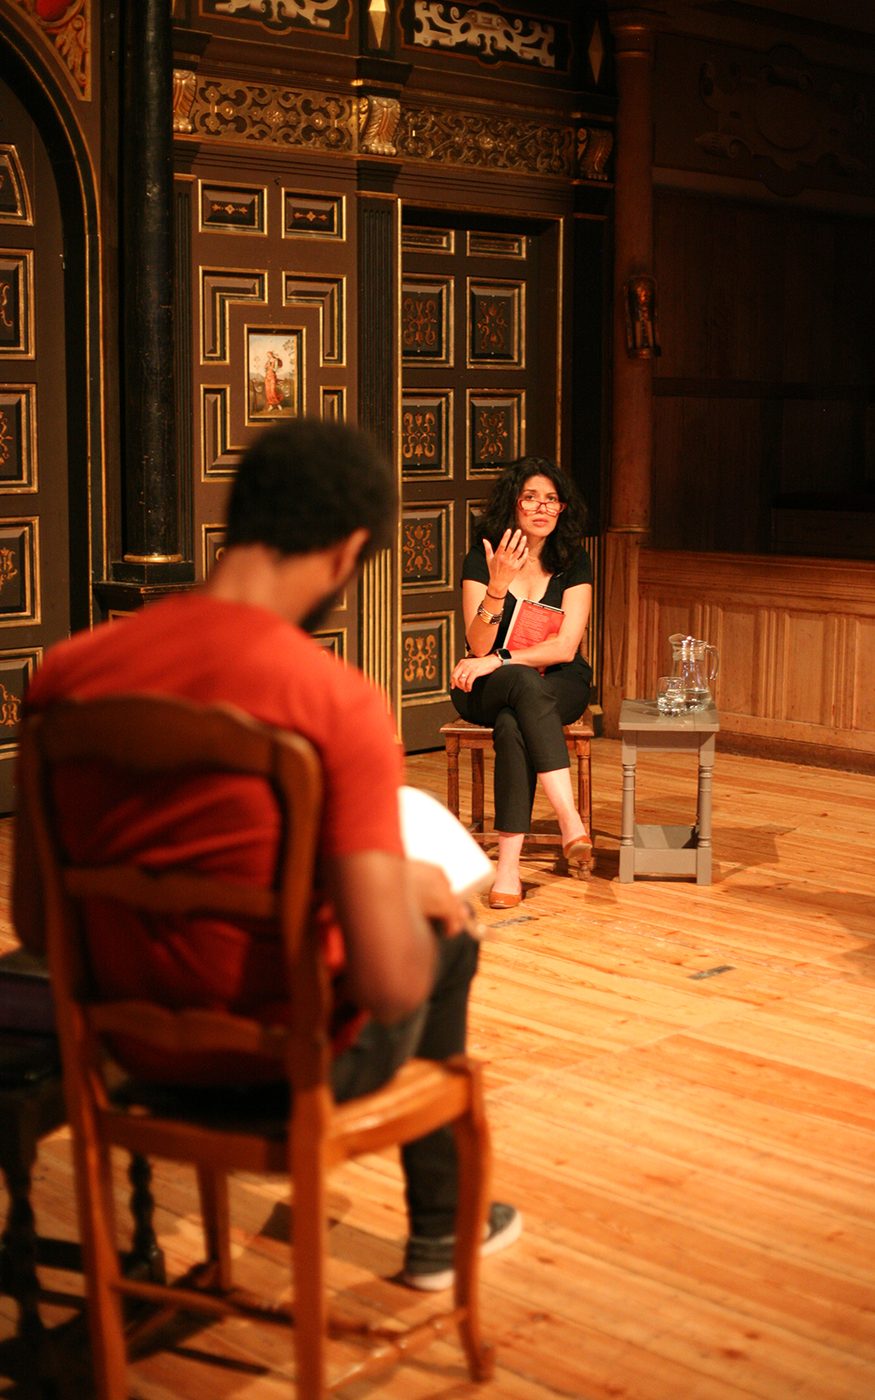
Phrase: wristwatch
x=503 y=654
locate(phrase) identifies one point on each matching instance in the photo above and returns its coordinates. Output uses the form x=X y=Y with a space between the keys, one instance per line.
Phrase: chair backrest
x=143 y=737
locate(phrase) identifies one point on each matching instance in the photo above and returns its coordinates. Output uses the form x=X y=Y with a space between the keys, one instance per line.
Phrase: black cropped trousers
x=526 y=711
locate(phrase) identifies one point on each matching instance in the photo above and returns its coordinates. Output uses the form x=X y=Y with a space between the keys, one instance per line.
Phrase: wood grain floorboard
x=680 y=1086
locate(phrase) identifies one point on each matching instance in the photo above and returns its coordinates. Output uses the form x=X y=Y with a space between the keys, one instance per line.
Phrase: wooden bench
x=459 y=735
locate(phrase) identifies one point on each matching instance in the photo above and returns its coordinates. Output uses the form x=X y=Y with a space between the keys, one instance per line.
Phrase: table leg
x=703 y=816
x=627 y=826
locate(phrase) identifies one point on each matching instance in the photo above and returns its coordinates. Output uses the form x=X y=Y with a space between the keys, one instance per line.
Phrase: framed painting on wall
x=274 y=378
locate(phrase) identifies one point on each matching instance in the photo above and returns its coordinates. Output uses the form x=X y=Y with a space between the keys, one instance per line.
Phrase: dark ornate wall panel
x=293 y=164
x=764 y=386
x=271 y=311
x=765 y=209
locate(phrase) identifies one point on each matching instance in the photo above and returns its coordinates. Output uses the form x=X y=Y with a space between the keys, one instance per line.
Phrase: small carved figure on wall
x=642 y=340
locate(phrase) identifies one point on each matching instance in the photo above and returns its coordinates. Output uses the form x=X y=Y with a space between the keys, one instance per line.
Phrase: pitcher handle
x=712 y=675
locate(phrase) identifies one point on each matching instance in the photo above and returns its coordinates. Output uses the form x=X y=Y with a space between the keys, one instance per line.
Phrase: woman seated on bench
x=529 y=548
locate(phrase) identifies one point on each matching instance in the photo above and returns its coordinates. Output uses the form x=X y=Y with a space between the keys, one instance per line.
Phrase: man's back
x=213 y=651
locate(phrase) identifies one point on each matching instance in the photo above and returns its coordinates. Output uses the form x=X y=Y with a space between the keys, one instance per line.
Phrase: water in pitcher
x=695 y=661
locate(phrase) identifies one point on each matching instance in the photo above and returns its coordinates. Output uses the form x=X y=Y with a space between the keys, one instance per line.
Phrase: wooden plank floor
x=681 y=1095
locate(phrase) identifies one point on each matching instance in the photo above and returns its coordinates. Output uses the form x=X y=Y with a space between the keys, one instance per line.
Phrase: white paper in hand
x=431 y=833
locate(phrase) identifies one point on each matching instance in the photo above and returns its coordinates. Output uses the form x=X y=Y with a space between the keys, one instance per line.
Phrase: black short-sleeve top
x=578 y=571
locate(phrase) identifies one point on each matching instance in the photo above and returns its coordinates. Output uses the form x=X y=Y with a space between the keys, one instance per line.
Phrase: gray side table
x=667 y=850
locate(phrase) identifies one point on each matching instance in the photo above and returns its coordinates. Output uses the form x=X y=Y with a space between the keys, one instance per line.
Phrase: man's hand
x=436 y=900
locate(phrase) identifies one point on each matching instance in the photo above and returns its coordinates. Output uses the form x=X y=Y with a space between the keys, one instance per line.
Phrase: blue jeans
x=435 y=1031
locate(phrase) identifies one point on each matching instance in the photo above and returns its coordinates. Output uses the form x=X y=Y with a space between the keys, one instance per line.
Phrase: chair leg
x=472 y=1143
x=101 y=1262
x=309 y=1246
x=146 y=1256
x=586 y=795
x=216 y=1218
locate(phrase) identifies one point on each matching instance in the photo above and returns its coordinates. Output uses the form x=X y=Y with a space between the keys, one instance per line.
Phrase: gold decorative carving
x=277 y=14
x=378 y=122
x=18 y=457
x=422 y=323
x=419 y=432
x=19 y=572
x=16 y=303
x=486 y=141
x=10 y=708
x=184 y=83
x=66 y=29
x=8 y=568
x=785 y=113
x=420 y=548
x=454 y=26
x=420 y=658
x=269 y=115
x=594 y=146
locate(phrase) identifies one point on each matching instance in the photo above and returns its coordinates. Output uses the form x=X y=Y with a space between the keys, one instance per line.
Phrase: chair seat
x=461 y=734
x=582 y=728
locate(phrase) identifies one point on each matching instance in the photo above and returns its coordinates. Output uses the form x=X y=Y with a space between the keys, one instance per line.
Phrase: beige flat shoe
x=579 y=857
x=499 y=900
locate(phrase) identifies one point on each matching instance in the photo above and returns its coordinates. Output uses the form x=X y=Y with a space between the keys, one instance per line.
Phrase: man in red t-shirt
x=310 y=502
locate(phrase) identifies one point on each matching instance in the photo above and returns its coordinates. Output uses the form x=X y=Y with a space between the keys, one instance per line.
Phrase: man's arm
x=390 y=945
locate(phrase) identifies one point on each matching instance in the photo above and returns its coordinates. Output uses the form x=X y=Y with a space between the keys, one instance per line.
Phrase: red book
x=532 y=623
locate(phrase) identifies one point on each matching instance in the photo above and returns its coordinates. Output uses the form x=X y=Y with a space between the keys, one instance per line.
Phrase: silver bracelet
x=492 y=618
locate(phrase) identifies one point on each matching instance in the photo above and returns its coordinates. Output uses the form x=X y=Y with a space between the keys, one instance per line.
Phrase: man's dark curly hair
x=305 y=485
x=563 y=544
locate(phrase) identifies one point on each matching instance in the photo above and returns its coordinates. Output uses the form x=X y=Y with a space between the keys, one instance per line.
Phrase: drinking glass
x=670 y=695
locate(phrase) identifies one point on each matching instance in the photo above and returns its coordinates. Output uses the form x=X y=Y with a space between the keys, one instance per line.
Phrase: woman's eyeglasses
x=529 y=502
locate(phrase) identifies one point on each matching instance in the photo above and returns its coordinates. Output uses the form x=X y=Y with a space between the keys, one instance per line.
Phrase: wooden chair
x=152 y=736
x=460 y=735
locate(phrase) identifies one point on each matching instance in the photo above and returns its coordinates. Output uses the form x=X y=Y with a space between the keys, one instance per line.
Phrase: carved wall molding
x=263 y=113
x=65 y=26
x=253 y=113
x=784 y=111
x=531 y=146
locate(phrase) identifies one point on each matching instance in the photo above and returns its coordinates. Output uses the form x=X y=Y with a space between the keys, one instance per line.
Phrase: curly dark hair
x=562 y=546
x=305 y=484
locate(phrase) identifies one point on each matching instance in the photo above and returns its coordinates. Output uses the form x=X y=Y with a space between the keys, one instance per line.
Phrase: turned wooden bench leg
x=477 y=789
x=453 y=774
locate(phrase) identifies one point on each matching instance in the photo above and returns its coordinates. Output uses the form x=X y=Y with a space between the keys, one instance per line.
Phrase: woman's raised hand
x=505 y=562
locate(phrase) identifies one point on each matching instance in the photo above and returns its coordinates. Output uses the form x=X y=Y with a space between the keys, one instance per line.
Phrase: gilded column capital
x=378 y=123
x=634 y=29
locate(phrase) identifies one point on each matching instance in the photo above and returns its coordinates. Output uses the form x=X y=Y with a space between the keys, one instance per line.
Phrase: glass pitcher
x=696 y=662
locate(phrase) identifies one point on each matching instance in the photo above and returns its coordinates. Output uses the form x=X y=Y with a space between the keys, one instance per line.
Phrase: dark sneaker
x=428 y=1264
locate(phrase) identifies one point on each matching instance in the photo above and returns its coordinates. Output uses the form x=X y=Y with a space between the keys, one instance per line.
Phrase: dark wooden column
x=152 y=551
x=378 y=215
x=632 y=374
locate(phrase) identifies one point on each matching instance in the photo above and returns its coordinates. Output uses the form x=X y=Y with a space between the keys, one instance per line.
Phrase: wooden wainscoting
x=797 y=647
